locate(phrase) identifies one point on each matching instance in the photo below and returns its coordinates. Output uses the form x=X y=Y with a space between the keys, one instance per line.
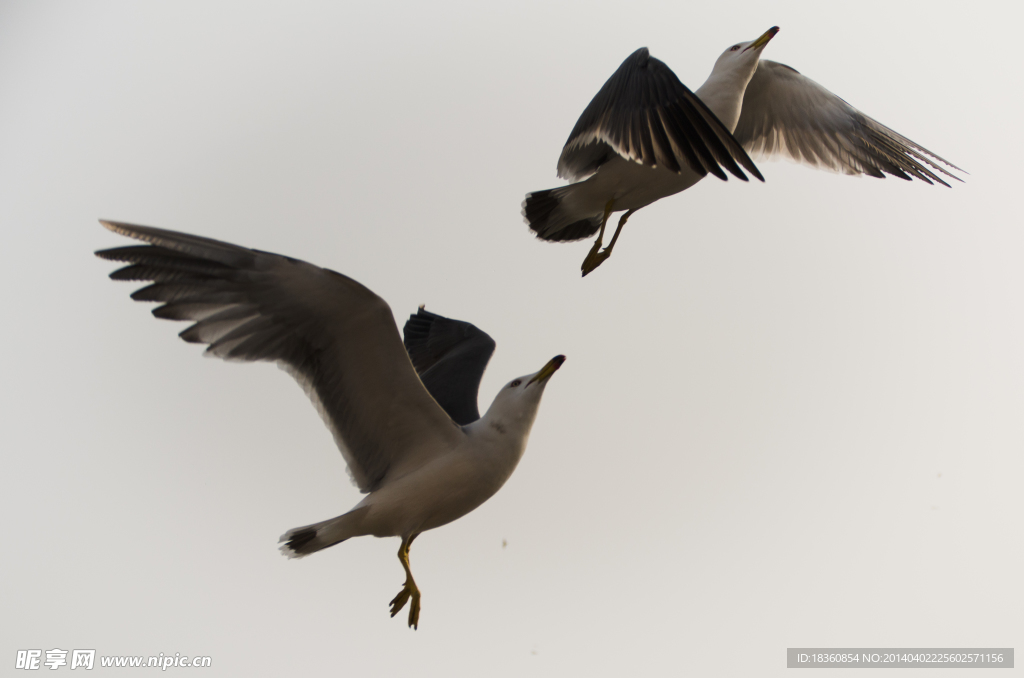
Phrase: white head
x=740 y=60
x=515 y=406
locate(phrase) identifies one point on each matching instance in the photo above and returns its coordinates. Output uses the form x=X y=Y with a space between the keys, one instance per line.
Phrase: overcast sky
x=791 y=413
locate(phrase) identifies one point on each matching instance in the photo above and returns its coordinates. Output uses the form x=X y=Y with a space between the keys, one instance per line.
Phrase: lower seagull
x=414 y=444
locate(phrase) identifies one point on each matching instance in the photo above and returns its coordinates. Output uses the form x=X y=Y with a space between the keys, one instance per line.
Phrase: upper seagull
x=419 y=468
x=625 y=151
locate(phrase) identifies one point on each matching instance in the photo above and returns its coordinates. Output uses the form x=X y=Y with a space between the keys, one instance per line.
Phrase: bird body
x=632 y=185
x=627 y=183
x=441 y=491
x=449 y=485
x=419 y=468
x=623 y=154
x=644 y=136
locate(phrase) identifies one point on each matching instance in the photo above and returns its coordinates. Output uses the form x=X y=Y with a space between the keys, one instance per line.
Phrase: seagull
x=419 y=468
x=627 y=149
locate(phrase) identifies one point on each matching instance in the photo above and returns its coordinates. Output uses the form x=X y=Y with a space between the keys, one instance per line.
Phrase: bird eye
x=734 y=48
x=515 y=383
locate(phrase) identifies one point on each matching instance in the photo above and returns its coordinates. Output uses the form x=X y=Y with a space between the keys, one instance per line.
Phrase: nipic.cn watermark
x=33 y=660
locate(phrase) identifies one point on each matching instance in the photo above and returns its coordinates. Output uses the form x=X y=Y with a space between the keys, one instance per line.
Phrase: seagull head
x=515 y=406
x=741 y=59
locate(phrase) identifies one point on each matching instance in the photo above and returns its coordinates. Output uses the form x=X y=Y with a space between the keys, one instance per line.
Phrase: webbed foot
x=410 y=590
x=595 y=258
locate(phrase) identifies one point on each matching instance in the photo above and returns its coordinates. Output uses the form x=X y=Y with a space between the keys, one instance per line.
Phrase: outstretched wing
x=785 y=113
x=450 y=356
x=645 y=114
x=336 y=337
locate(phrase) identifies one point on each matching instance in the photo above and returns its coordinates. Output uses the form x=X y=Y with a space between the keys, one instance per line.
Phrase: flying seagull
x=626 y=150
x=419 y=468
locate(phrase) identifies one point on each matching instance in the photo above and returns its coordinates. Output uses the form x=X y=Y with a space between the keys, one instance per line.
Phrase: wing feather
x=645 y=114
x=785 y=113
x=335 y=336
x=450 y=356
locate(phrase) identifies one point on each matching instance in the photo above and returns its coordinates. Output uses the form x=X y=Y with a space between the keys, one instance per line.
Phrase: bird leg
x=595 y=258
x=592 y=261
x=410 y=589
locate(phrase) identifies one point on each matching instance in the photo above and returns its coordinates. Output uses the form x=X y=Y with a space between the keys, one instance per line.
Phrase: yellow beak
x=549 y=369
x=764 y=39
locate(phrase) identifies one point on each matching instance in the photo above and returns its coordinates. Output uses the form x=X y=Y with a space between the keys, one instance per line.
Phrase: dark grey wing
x=785 y=113
x=645 y=114
x=450 y=356
x=336 y=337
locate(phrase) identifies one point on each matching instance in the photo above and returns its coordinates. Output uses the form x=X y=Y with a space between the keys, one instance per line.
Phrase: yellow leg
x=410 y=590
x=618 y=229
x=593 y=259
x=596 y=258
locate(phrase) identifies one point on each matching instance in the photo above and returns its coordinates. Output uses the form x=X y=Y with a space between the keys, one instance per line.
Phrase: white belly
x=442 y=491
x=629 y=184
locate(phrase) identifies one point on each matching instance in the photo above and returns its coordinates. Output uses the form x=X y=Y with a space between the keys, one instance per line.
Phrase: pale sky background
x=791 y=411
